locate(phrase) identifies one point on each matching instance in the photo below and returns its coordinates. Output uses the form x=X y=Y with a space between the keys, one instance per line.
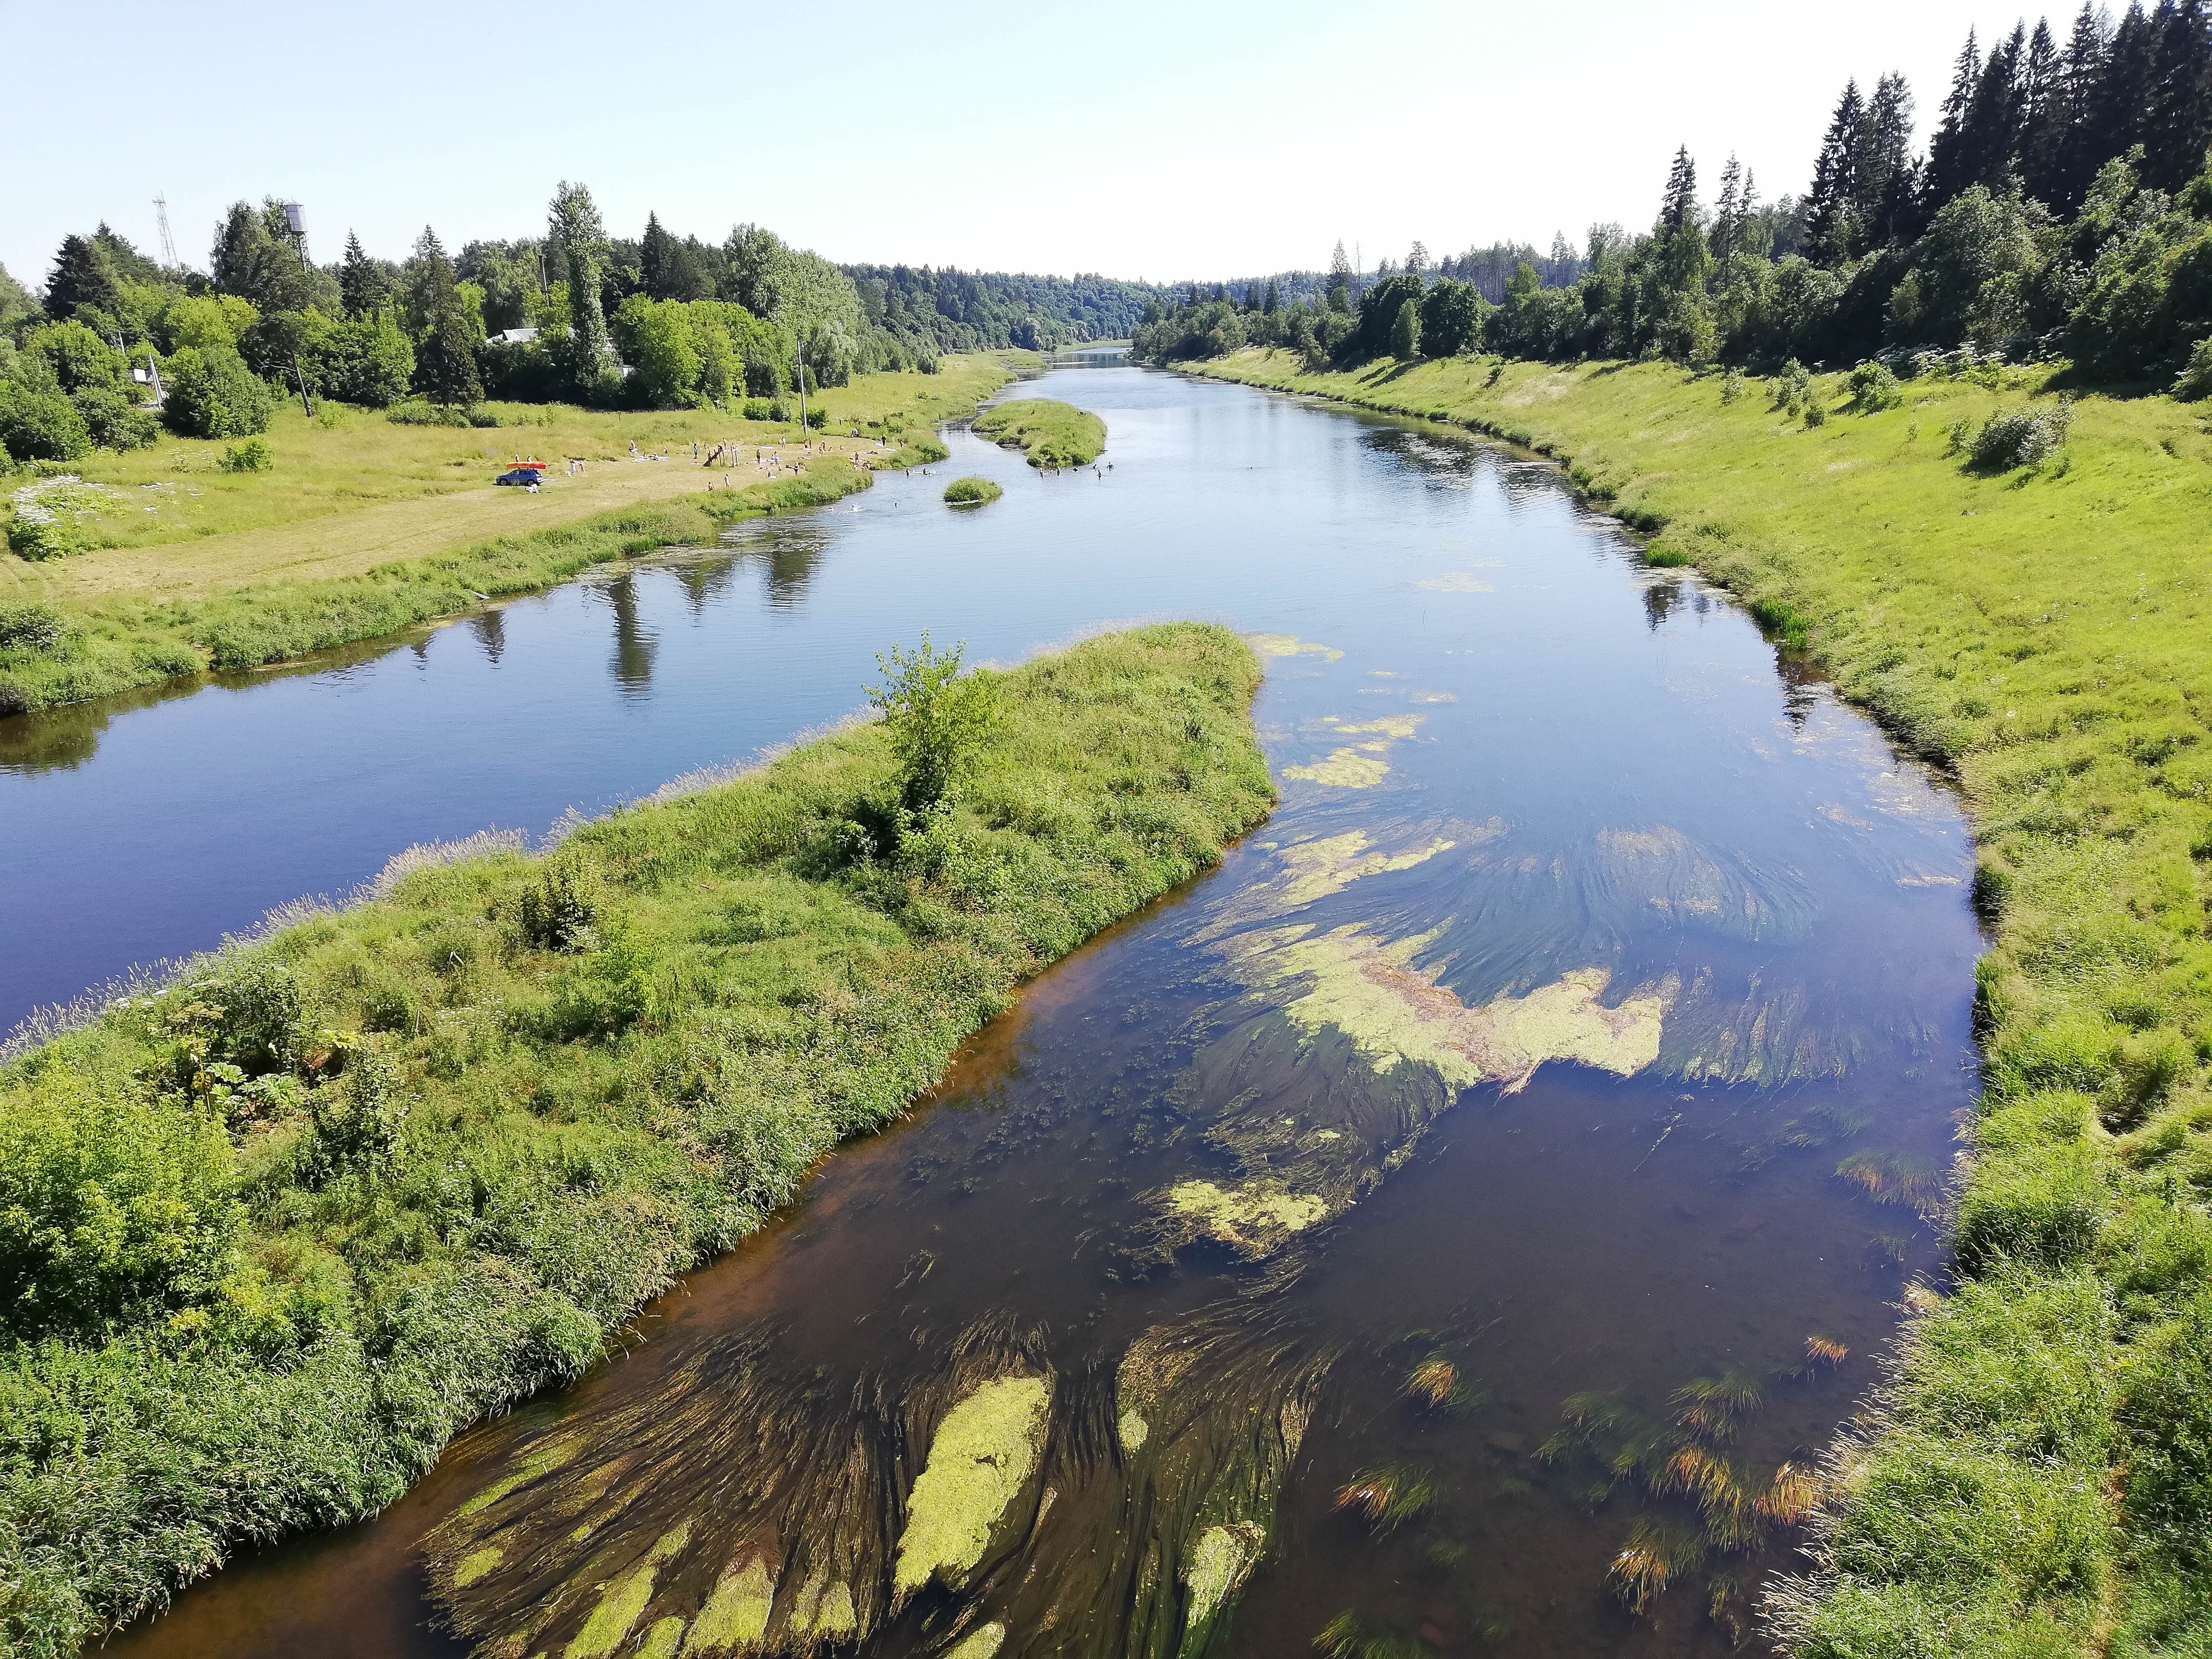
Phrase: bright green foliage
x=2039 y=1484
x=207 y=321
x=1405 y=332
x=365 y=360
x=1049 y=431
x=38 y=425
x=317 y=1256
x=1451 y=318
x=212 y=394
x=972 y=492
x=250 y=456
x=939 y=719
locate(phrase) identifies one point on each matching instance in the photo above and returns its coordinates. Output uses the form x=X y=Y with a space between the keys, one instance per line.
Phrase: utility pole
x=296 y=222
x=801 y=347
x=168 y=244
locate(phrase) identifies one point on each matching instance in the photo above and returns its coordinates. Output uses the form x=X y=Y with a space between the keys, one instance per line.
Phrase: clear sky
x=1160 y=141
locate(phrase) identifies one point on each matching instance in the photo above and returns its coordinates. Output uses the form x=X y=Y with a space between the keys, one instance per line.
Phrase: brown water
x=1583 y=1035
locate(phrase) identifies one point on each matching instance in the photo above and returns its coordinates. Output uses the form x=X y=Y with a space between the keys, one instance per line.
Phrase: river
x=1606 y=979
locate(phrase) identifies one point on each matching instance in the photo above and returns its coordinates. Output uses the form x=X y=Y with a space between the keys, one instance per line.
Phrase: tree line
x=2061 y=208
x=655 y=321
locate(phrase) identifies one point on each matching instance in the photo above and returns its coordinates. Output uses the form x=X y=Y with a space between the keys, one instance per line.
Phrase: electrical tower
x=168 y=244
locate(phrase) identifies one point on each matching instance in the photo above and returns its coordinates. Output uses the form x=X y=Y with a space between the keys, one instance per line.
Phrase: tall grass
x=2035 y=1479
x=352 y=1185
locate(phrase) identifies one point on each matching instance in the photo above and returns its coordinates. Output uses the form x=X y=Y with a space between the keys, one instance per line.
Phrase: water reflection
x=635 y=643
x=490 y=629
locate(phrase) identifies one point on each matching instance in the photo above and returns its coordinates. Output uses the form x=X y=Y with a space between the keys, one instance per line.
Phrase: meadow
x=360 y=525
x=2035 y=1477
x=1049 y=431
x=269 y=1237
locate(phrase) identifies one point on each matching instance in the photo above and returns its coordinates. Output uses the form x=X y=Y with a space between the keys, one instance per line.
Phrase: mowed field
x=351 y=490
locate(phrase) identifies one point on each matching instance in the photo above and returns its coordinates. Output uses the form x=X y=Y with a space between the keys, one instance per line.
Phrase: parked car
x=525 y=475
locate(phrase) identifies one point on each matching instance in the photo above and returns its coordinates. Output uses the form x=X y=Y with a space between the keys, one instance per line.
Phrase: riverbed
x=1459 y=1220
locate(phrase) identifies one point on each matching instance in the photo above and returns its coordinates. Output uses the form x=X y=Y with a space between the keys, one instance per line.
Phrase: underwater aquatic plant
x=1657 y=1554
x=1712 y=1407
x=1348 y=1637
x=1389 y=1494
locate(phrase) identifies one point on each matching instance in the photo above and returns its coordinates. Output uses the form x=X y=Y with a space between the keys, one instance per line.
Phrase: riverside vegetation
x=186 y=568
x=2035 y=1477
x=271 y=1236
x=1049 y=431
x=972 y=492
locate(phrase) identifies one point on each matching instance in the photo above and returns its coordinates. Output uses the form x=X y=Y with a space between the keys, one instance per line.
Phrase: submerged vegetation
x=271 y=1237
x=1049 y=431
x=2060 y=1367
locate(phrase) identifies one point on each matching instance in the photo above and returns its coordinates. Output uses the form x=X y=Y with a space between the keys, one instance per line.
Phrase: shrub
x=1816 y=413
x=559 y=906
x=113 y=1202
x=2195 y=380
x=2026 y=436
x=938 y=717
x=972 y=492
x=1732 y=385
x=40 y=426
x=416 y=412
x=115 y=419
x=756 y=408
x=212 y=394
x=250 y=456
x=1873 y=388
x=355 y=1122
x=817 y=417
x=32 y=628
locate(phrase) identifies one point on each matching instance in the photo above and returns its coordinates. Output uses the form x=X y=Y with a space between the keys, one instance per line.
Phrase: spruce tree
x=429 y=284
x=446 y=367
x=363 y=286
x=2124 y=88
x=1883 y=179
x=657 y=260
x=81 y=277
x=2181 y=125
x=1728 y=210
x=1339 y=279
x=1950 y=168
x=1273 y=300
x=2079 y=155
x=1678 y=209
x=1831 y=219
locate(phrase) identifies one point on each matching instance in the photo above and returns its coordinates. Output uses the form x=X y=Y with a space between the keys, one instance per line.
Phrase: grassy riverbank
x=362 y=526
x=1049 y=431
x=2037 y=1478
x=270 y=1238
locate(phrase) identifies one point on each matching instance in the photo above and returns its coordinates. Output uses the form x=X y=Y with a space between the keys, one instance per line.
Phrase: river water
x=1476 y=1202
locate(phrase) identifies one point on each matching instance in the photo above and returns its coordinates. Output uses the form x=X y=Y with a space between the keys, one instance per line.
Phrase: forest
x=118 y=346
x=2061 y=209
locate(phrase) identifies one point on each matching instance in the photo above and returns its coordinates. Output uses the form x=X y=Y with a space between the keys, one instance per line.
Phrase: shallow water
x=1587 y=1022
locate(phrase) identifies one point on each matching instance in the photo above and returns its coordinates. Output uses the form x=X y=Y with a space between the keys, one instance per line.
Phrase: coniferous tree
x=1728 y=210
x=1885 y=178
x=363 y=285
x=1273 y=300
x=1406 y=331
x=2124 y=87
x=2180 y=115
x=1678 y=209
x=428 y=282
x=1994 y=118
x=1831 y=219
x=2079 y=151
x=81 y=277
x=1339 y=279
x=1950 y=166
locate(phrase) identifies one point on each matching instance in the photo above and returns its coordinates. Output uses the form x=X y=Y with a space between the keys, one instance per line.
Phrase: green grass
x=1050 y=433
x=2038 y=1479
x=270 y=1237
x=972 y=492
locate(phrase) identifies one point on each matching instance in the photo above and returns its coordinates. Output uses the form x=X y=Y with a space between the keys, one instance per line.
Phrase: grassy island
x=359 y=525
x=972 y=492
x=1049 y=431
x=270 y=1237
x=2037 y=1477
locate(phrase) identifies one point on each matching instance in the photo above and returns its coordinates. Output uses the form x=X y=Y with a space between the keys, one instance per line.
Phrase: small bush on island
x=972 y=492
